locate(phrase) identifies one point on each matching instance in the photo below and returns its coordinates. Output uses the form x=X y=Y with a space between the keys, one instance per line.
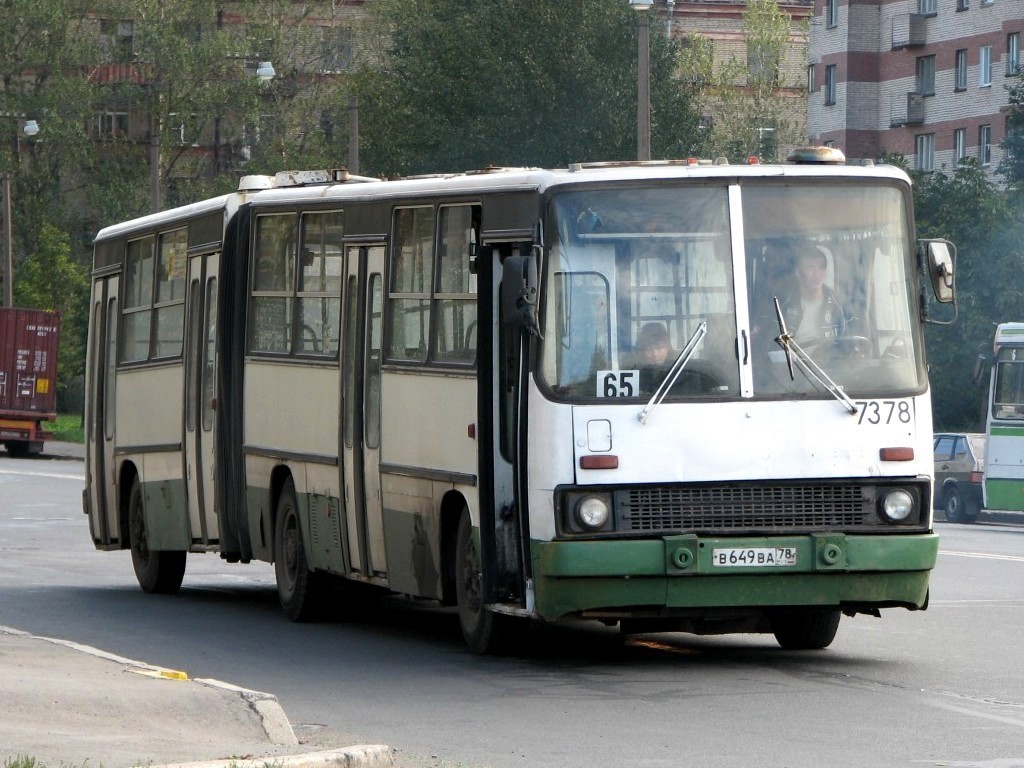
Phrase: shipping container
x=28 y=377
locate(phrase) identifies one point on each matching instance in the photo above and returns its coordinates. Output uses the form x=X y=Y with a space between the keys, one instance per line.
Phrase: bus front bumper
x=680 y=574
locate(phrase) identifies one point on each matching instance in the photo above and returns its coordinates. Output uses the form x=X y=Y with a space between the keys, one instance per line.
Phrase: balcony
x=906 y=110
x=908 y=30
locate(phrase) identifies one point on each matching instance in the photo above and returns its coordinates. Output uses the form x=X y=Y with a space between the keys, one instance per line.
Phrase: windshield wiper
x=673 y=373
x=813 y=371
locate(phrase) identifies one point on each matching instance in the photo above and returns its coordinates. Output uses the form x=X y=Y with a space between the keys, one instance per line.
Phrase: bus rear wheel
x=805 y=629
x=485 y=631
x=298 y=588
x=158 y=571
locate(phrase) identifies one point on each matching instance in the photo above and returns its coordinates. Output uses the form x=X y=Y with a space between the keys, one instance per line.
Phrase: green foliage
x=515 y=82
x=971 y=211
x=68 y=428
x=51 y=279
x=1012 y=164
x=753 y=116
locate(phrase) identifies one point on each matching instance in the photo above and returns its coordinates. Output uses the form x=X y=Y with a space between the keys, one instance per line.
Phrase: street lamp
x=265 y=71
x=643 y=79
x=29 y=128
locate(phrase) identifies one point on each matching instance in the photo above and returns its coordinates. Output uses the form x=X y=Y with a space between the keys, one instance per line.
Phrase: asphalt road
x=941 y=687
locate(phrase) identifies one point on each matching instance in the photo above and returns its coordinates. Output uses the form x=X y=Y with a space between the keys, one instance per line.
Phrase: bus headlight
x=592 y=512
x=897 y=505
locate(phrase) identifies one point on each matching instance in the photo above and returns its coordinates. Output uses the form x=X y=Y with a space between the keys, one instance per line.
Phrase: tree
x=51 y=279
x=40 y=79
x=453 y=85
x=968 y=209
x=1011 y=167
x=755 y=110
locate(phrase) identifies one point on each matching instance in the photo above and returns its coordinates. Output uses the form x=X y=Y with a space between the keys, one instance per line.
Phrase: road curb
x=363 y=756
x=272 y=716
x=275 y=722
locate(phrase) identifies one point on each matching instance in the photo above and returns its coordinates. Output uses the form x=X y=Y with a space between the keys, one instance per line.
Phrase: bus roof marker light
x=255 y=183
x=816 y=155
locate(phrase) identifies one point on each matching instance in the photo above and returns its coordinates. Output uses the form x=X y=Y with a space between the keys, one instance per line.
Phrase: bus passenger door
x=100 y=422
x=200 y=394
x=361 y=360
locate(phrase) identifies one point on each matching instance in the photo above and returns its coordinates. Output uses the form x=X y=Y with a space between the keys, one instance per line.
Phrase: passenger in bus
x=653 y=344
x=812 y=312
x=653 y=354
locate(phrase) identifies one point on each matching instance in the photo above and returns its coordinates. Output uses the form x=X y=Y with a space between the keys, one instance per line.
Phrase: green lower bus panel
x=690 y=572
x=1004 y=494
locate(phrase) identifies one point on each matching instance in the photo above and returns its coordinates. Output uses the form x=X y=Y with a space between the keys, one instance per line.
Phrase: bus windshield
x=633 y=273
x=1008 y=393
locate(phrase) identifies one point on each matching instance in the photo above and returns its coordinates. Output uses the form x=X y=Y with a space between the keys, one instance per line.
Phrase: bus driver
x=813 y=314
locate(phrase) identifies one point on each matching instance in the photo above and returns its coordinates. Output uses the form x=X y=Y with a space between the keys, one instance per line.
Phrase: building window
x=963 y=5
x=117 y=38
x=924 y=149
x=1013 y=54
x=959 y=145
x=926 y=75
x=111 y=123
x=831 y=13
x=926 y=6
x=335 y=50
x=830 y=84
x=960 y=70
x=810 y=78
x=985 y=144
x=985 y=65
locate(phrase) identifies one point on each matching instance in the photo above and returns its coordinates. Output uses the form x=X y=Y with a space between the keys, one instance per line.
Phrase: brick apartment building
x=722 y=23
x=927 y=79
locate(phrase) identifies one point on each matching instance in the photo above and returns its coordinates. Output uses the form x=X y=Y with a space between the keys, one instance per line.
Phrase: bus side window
x=412 y=258
x=273 y=282
x=455 y=289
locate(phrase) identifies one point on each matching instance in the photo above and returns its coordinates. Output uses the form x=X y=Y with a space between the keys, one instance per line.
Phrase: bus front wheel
x=485 y=631
x=158 y=571
x=298 y=588
x=805 y=629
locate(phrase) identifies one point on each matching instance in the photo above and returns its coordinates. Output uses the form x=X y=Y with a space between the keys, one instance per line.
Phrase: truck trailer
x=28 y=378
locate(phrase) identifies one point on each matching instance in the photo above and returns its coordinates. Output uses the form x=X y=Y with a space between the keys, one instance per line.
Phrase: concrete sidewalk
x=68 y=705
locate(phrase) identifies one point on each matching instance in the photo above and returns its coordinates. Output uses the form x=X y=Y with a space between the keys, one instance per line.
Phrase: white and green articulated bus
x=1004 y=422
x=436 y=387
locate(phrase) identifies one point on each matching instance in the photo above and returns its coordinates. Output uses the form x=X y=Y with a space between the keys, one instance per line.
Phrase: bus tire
x=298 y=588
x=805 y=629
x=484 y=631
x=158 y=571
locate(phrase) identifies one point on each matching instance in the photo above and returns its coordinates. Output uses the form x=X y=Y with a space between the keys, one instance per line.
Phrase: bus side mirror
x=519 y=292
x=941 y=254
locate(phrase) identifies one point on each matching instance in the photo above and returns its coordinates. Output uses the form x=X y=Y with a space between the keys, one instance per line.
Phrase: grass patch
x=67 y=428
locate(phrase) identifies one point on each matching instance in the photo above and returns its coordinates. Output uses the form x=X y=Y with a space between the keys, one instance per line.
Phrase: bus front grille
x=736 y=507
